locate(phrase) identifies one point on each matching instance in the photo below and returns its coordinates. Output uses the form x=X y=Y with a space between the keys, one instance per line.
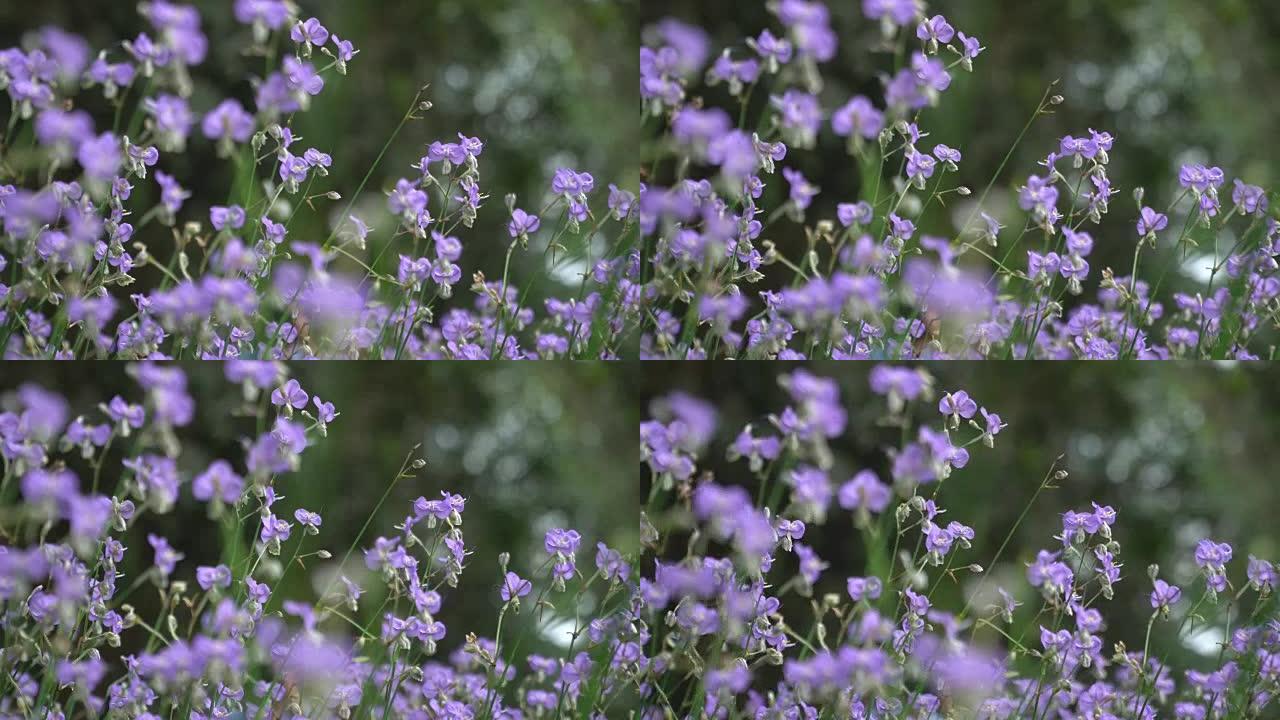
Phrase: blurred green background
x=1181 y=451
x=1175 y=81
x=528 y=446
x=545 y=83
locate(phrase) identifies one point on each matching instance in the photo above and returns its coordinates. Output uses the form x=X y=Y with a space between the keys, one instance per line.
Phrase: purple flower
x=735 y=72
x=89 y=516
x=325 y=412
x=1079 y=244
x=957 y=405
x=946 y=154
x=166 y=557
x=274 y=530
x=259 y=592
x=125 y=413
x=113 y=76
x=571 y=182
x=49 y=487
x=211 y=577
x=1080 y=148
x=1151 y=222
x=514 y=587
x=172 y=117
x=559 y=541
x=810 y=491
x=811 y=566
x=345 y=51
x=897 y=12
x=689 y=44
x=1262 y=575
x=172 y=196
x=522 y=223
x=993 y=424
x=310 y=32
x=864 y=588
x=920 y=168
x=318 y=160
x=219 y=481
x=223 y=218
x=1049 y=573
x=228 y=122
x=1212 y=557
x=802 y=191
x=901 y=228
x=448 y=508
x=290 y=394
x=1251 y=199
x=148 y=52
x=610 y=563
x=776 y=51
x=100 y=157
x=620 y=201
x=937 y=540
x=271 y=14
x=936 y=29
x=1201 y=179
x=931 y=73
x=789 y=531
x=1164 y=596
x=1041 y=268
x=302 y=76
x=902 y=382
x=917 y=605
x=407 y=200
x=854 y=213
x=291 y=436
x=293 y=170
x=63 y=130
x=971 y=49
x=1041 y=196
x=309 y=520
x=864 y=490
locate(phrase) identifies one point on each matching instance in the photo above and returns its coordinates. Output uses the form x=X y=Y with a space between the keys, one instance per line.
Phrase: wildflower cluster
x=79 y=638
x=749 y=621
x=869 y=283
x=83 y=272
